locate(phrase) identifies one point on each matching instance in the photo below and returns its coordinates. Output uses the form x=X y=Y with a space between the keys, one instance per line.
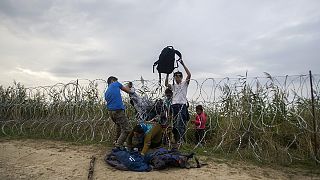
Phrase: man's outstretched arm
x=187 y=71
x=126 y=89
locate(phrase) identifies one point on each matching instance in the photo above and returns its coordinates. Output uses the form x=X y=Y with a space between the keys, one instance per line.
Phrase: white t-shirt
x=180 y=93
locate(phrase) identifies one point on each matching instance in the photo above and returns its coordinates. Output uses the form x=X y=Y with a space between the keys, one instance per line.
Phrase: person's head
x=138 y=131
x=138 y=137
x=111 y=79
x=130 y=84
x=178 y=77
x=199 y=109
x=168 y=93
x=158 y=106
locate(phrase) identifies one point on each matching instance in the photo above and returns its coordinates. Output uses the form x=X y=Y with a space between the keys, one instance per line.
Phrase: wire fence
x=269 y=118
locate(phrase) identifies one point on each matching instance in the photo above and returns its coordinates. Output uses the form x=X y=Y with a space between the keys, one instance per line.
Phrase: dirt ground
x=44 y=159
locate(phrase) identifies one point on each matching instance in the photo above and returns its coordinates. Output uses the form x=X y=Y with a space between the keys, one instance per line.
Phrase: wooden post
x=313 y=117
x=75 y=100
x=91 y=168
x=77 y=90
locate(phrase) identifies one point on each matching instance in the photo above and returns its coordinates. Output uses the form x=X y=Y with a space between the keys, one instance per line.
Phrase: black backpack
x=162 y=158
x=166 y=61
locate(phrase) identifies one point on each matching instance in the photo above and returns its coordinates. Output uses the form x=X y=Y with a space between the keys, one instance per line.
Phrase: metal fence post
x=313 y=118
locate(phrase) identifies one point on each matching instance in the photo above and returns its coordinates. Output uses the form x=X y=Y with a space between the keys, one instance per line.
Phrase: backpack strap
x=177 y=64
x=180 y=57
x=197 y=161
x=178 y=53
x=154 y=64
x=199 y=165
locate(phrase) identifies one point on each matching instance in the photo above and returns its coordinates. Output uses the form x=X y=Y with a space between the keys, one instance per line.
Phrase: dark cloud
x=291 y=50
x=24 y=9
x=92 y=39
x=73 y=68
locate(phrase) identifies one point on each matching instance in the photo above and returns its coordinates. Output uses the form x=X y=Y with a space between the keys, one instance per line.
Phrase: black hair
x=199 y=107
x=168 y=91
x=111 y=78
x=178 y=73
x=138 y=129
x=130 y=83
x=158 y=105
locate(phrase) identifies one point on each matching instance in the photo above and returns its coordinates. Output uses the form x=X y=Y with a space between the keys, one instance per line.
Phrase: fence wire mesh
x=268 y=118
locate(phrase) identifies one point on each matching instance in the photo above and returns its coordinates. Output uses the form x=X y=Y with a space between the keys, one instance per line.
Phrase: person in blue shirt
x=116 y=109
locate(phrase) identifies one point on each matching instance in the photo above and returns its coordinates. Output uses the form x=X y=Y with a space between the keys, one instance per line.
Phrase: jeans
x=180 y=118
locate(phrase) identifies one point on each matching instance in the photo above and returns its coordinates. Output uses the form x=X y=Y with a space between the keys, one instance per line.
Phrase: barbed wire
x=269 y=118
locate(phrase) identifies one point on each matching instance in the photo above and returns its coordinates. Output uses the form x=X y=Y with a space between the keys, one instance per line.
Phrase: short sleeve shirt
x=113 y=97
x=180 y=93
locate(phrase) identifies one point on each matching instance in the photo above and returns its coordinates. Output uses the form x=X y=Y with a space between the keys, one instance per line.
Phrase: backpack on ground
x=166 y=61
x=127 y=160
x=163 y=158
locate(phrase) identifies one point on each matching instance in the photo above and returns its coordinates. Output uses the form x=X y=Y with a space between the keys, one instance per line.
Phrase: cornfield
x=267 y=118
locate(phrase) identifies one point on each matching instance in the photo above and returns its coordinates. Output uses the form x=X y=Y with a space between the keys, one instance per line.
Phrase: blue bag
x=125 y=160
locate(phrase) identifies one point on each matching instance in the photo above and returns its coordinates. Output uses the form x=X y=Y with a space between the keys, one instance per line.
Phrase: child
x=166 y=124
x=116 y=109
x=200 y=124
x=168 y=99
x=162 y=108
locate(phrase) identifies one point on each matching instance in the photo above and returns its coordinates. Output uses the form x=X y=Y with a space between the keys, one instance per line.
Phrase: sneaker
x=119 y=148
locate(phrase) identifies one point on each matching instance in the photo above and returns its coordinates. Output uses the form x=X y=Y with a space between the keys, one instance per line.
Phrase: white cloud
x=34 y=74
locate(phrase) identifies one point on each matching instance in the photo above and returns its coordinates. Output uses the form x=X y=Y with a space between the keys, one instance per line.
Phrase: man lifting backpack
x=179 y=107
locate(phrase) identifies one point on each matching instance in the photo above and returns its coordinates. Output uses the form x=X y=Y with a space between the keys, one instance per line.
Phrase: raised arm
x=187 y=71
x=126 y=89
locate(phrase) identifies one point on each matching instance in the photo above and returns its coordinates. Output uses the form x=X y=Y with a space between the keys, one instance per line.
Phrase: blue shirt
x=113 y=97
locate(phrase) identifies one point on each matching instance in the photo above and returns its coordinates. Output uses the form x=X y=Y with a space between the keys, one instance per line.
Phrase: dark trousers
x=199 y=135
x=180 y=120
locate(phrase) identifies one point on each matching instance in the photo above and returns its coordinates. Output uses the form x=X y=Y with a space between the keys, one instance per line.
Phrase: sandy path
x=43 y=159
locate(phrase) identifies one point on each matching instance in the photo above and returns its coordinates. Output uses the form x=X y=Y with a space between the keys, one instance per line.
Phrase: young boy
x=179 y=103
x=168 y=100
x=162 y=109
x=200 y=124
x=166 y=123
x=116 y=109
x=145 y=136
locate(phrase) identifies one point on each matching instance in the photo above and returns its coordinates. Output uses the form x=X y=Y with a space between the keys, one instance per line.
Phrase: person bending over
x=145 y=136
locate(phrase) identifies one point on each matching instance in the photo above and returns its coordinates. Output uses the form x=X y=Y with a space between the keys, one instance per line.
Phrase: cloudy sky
x=43 y=42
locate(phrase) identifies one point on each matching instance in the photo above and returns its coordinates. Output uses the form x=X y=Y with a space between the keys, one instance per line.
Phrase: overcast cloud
x=44 y=42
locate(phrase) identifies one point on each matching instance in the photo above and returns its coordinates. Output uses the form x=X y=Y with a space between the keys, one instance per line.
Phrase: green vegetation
x=261 y=120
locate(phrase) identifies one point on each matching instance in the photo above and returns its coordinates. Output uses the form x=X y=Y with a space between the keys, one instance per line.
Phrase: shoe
x=119 y=148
